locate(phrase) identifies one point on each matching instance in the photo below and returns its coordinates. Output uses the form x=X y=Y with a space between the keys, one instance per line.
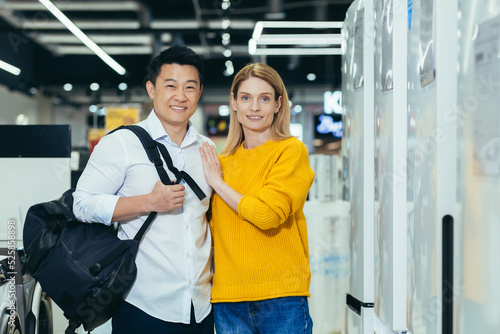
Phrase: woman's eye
x=245 y=98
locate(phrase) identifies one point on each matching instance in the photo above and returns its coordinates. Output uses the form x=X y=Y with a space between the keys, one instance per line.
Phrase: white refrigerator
x=390 y=95
x=477 y=290
x=358 y=116
x=431 y=164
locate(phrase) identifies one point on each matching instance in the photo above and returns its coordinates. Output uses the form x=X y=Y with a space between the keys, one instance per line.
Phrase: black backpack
x=84 y=267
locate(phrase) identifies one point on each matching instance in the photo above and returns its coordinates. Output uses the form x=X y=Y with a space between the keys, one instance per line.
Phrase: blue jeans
x=287 y=315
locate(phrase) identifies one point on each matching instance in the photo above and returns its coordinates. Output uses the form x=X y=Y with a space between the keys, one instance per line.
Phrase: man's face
x=175 y=94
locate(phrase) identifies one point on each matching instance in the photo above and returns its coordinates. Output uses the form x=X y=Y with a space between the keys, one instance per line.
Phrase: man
x=119 y=184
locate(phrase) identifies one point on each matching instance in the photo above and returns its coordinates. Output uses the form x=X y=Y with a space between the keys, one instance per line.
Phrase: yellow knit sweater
x=262 y=252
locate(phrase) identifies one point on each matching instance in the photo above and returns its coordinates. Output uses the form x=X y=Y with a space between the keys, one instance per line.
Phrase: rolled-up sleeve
x=93 y=208
x=96 y=196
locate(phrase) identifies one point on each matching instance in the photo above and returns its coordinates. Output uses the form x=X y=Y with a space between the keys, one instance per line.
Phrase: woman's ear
x=233 y=102
x=278 y=104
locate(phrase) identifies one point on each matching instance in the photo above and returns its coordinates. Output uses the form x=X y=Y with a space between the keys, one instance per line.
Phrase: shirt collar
x=157 y=130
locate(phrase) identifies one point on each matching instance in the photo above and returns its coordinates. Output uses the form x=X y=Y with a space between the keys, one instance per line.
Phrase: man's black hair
x=176 y=54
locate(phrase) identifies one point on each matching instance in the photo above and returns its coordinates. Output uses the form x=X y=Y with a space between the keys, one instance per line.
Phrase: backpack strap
x=96 y=268
x=180 y=175
x=150 y=147
x=72 y=326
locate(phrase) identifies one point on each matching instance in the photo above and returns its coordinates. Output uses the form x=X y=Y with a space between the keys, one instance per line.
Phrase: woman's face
x=255 y=105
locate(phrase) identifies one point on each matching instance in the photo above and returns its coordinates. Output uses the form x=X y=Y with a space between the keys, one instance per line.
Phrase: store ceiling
x=49 y=56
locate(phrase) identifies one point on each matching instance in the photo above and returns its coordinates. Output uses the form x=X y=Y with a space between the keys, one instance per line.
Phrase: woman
x=261 y=271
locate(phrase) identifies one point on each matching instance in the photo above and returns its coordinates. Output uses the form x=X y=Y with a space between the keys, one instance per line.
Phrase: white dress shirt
x=174 y=258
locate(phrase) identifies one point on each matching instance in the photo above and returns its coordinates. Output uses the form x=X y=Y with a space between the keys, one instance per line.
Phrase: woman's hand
x=213 y=174
x=211 y=164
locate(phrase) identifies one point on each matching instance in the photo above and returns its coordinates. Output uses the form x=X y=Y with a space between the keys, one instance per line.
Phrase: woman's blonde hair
x=280 y=128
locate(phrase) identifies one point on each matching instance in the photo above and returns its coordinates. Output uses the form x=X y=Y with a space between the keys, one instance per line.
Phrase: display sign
x=328 y=127
x=116 y=116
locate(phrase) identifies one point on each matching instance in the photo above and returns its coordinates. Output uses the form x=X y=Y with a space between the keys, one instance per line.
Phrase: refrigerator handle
x=447 y=284
x=355 y=304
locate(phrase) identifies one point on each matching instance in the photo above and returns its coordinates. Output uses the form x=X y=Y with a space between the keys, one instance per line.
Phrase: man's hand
x=165 y=198
x=161 y=199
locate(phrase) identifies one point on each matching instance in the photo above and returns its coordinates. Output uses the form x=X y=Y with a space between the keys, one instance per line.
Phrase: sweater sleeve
x=284 y=190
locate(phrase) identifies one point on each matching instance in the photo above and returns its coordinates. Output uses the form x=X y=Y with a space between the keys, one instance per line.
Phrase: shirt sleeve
x=96 y=196
x=284 y=192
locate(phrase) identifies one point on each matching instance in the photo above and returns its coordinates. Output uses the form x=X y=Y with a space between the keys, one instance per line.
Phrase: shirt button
x=188 y=255
x=190 y=282
x=187 y=227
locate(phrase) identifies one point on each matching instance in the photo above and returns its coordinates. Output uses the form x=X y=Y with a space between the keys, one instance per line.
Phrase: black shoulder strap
x=150 y=146
x=180 y=174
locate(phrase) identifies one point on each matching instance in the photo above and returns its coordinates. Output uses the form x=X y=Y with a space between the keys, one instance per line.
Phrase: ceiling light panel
x=97 y=38
x=274 y=33
x=85 y=24
x=300 y=39
x=112 y=50
x=96 y=6
x=298 y=51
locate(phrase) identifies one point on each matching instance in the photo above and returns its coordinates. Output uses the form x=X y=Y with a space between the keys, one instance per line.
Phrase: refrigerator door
x=359 y=321
x=329 y=261
x=431 y=144
x=358 y=64
x=390 y=163
x=478 y=264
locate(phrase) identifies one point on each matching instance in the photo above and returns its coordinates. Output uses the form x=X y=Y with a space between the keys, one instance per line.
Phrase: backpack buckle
x=95 y=269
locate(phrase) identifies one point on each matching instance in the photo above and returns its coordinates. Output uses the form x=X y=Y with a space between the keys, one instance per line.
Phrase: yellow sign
x=116 y=117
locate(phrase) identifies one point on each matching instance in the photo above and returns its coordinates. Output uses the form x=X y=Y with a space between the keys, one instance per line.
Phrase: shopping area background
x=402 y=216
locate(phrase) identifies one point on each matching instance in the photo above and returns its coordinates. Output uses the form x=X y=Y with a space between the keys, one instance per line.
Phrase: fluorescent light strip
x=138 y=39
x=77 y=5
x=9 y=68
x=300 y=24
x=297 y=51
x=82 y=37
x=175 y=24
x=300 y=39
x=84 y=24
x=114 y=50
x=257 y=31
